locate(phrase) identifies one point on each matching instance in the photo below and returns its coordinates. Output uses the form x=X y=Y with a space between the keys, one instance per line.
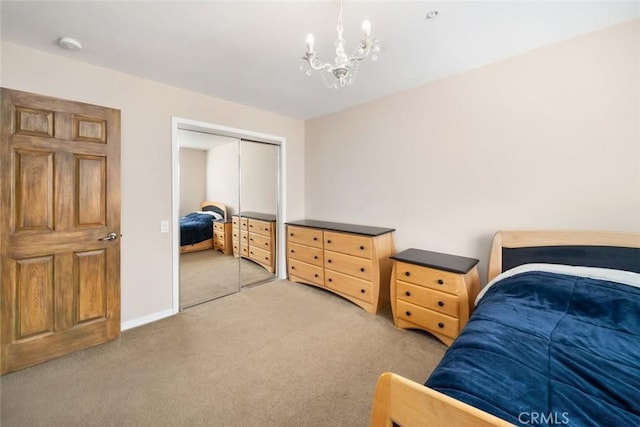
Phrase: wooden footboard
x=402 y=402
x=204 y=245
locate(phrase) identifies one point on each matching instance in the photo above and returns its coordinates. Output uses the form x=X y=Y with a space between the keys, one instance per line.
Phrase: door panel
x=59 y=197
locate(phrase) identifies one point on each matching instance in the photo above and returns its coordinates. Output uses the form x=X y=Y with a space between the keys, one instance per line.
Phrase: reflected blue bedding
x=545 y=348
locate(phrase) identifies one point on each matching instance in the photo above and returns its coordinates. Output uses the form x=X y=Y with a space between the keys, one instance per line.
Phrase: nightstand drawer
x=428 y=298
x=218 y=226
x=428 y=319
x=424 y=276
x=305 y=236
x=260 y=227
x=307 y=254
x=260 y=241
x=349 y=285
x=348 y=244
x=352 y=265
x=307 y=272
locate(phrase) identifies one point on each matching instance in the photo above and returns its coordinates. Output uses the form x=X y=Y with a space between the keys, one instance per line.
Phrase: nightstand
x=433 y=291
x=222 y=236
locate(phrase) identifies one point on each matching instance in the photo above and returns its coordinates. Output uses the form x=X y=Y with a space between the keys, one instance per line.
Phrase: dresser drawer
x=307 y=272
x=357 y=288
x=348 y=264
x=305 y=236
x=428 y=298
x=259 y=255
x=260 y=241
x=435 y=279
x=244 y=237
x=240 y=249
x=260 y=227
x=307 y=254
x=351 y=244
x=243 y=222
x=428 y=319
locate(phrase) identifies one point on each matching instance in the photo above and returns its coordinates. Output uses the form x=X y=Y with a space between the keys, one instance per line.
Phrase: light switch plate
x=164 y=226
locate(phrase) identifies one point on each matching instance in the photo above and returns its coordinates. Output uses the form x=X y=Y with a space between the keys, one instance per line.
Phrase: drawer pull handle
x=330 y=279
x=266 y=243
x=292 y=267
x=440 y=282
x=329 y=261
x=362 y=291
x=406 y=273
x=315 y=257
x=407 y=293
x=362 y=269
x=408 y=313
x=315 y=238
x=328 y=241
x=440 y=325
x=316 y=275
x=292 y=251
x=362 y=248
x=441 y=303
x=291 y=234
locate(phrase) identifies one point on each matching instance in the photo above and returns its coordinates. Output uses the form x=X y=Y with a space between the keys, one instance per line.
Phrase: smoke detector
x=69 y=43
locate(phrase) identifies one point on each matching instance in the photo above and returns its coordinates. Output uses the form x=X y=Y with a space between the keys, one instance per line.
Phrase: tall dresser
x=254 y=237
x=349 y=260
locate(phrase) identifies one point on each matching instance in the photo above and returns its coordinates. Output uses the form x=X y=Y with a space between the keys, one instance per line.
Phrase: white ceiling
x=248 y=51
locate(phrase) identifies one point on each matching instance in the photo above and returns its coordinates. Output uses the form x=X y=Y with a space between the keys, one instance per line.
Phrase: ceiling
x=248 y=51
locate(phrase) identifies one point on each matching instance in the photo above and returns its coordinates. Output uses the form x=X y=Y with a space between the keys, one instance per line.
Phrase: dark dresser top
x=338 y=226
x=440 y=261
x=257 y=215
x=222 y=220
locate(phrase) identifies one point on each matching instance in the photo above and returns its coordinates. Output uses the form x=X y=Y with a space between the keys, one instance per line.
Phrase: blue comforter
x=549 y=349
x=195 y=228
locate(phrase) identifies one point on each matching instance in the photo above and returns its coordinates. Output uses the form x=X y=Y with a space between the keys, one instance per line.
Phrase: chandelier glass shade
x=342 y=72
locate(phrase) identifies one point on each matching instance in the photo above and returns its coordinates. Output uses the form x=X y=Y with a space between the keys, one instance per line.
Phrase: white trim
x=146 y=319
x=188 y=124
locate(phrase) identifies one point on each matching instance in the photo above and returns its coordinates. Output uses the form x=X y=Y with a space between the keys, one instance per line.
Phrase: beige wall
x=548 y=139
x=147 y=108
x=193 y=177
x=223 y=176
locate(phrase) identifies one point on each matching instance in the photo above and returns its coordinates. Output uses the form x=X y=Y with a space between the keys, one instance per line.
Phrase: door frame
x=178 y=123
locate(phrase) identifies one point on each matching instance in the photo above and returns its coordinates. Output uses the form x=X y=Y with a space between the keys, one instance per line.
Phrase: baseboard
x=146 y=319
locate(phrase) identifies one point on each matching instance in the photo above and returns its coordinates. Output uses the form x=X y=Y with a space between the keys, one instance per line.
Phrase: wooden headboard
x=585 y=248
x=219 y=205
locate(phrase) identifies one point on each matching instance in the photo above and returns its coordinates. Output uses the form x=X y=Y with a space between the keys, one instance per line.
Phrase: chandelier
x=344 y=69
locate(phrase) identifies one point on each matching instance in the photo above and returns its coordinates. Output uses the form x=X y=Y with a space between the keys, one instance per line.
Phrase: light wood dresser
x=222 y=236
x=349 y=260
x=434 y=292
x=254 y=237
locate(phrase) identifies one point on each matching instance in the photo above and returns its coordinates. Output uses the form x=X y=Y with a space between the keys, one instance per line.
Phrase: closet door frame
x=178 y=123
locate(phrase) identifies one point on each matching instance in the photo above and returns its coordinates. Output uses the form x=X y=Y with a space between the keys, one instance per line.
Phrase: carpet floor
x=278 y=354
x=209 y=274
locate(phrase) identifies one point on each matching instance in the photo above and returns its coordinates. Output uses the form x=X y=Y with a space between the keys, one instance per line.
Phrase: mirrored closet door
x=259 y=207
x=209 y=197
x=229 y=195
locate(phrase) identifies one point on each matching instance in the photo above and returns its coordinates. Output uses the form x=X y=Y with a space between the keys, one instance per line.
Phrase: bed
x=554 y=340
x=196 y=228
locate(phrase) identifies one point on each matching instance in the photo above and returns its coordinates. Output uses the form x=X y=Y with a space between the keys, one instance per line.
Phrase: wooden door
x=59 y=227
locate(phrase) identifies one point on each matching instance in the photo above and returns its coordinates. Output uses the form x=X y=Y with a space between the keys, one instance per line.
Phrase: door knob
x=110 y=236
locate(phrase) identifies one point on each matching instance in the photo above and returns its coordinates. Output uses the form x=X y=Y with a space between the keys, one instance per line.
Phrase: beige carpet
x=209 y=274
x=278 y=354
